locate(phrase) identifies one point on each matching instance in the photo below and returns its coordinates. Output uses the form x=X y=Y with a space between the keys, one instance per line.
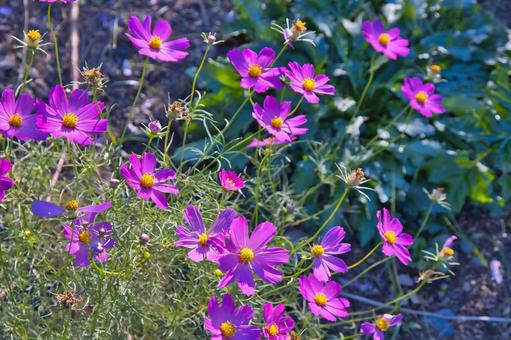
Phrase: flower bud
x=114 y=182
x=144 y=238
x=155 y=126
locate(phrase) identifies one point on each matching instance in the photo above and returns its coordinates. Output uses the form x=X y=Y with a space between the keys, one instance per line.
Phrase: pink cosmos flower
x=324 y=254
x=5 y=182
x=274 y=118
x=148 y=183
x=204 y=244
x=394 y=240
x=388 y=43
x=245 y=254
x=255 y=69
x=75 y=119
x=322 y=298
x=230 y=180
x=226 y=322
x=87 y=239
x=155 y=44
x=47 y=209
x=277 y=326
x=255 y=143
x=380 y=325
x=304 y=81
x=422 y=97
x=16 y=118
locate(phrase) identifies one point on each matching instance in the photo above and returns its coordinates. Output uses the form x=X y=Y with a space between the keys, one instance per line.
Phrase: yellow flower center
x=277 y=122
x=246 y=255
x=309 y=84
x=147 y=180
x=320 y=299
x=384 y=39
x=155 y=42
x=15 y=120
x=227 y=329
x=71 y=205
x=218 y=273
x=33 y=35
x=435 y=68
x=85 y=237
x=273 y=329
x=255 y=71
x=448 y=251
x=203 y=239
x=229 y=181
x=70 y=120
x=382 y=324
x=317 y=250
x=390 y=237
x=421 y=97
x=299 y=26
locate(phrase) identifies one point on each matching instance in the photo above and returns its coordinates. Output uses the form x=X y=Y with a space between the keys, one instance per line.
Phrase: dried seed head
x=356 y=177
x=176 y=110
x=93 y=77
x=67 y=299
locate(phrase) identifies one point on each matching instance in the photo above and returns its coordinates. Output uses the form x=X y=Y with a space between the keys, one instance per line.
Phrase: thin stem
x=297 y=106
x=279 y=54
x=374 y=265
x=194 y=83
x=425 y=221
x=55 y=43
x=166 y=143
x=28 y=67
x=407 y=295
x=187 y=124
x=365 y=257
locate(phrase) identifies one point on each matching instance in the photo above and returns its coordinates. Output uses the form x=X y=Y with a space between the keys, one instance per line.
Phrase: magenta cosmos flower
x=255 y=69
x=75 y=118
x=324 y=254
x=322 y=298
x=304 y=81
x=148 y=183
x=87 y=239
x=226 y=322
x=388 y=43
x=245 y=254
x=422 y=97
x=155 y=44
x=47 y=209
x=230 y=180
x=394 y=240
x=5 y=182
x=380 y=325
x=16 y=118
x=277 y=325
x=204 y=244
x=274 y=118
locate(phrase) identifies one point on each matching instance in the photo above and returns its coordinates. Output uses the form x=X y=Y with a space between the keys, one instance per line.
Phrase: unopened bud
x=144 y=238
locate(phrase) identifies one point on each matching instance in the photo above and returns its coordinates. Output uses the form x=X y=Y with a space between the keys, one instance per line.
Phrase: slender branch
x=365 y=257
x=55 y=43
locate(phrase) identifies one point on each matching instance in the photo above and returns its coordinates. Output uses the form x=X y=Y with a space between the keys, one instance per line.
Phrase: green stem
x=56 y=44
x=353 y=336
x=279 y=54
x=365 y=257
x=297 y=106
x=166 y=143
x=374 y=265
x=148 y=144
x=194 y=83
x=407 y=295
x=425 y=221
x=183 y=144
x=28 y=67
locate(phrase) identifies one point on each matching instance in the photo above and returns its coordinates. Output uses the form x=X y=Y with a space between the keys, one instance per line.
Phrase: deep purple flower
x=226 y=322
x=148 y=183
x=324 y=254
x=204 y=244
x=5 y=182
x=47 y=209
x=245 y=254
x=255 y=143
x=388 y=43
x=274 y=118
x=380 y=325
x=447 y=247
x=87 y=239
x=422 y=97
x=322 y=298
x=75 y=119
x=277 y=326
x=304 y=81
x=394 y=240
x=154 y=44
x=255 y=69
x=16 y=118
x=230 y=180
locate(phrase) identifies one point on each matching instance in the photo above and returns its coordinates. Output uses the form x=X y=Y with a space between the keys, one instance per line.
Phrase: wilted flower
x=438 y=196
x=245 y=254
x=16 y=118
x=295 y=32
x=226 y=322
x=93 y=77
x=394 y=240
x=276 y=325
x=380 y=325
x=176 y=110
x=304 y=81
x=389 y=43
x=353 y=179
x=255 y=69
x=230 y=180
x=324 y=254
x=445 y=255
x=274 y=118
x=149 y=184
x=422 y=97
x=67 y=299
x=5 y=182
x=204 y=244
x=322 y=298
x=154 y=44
